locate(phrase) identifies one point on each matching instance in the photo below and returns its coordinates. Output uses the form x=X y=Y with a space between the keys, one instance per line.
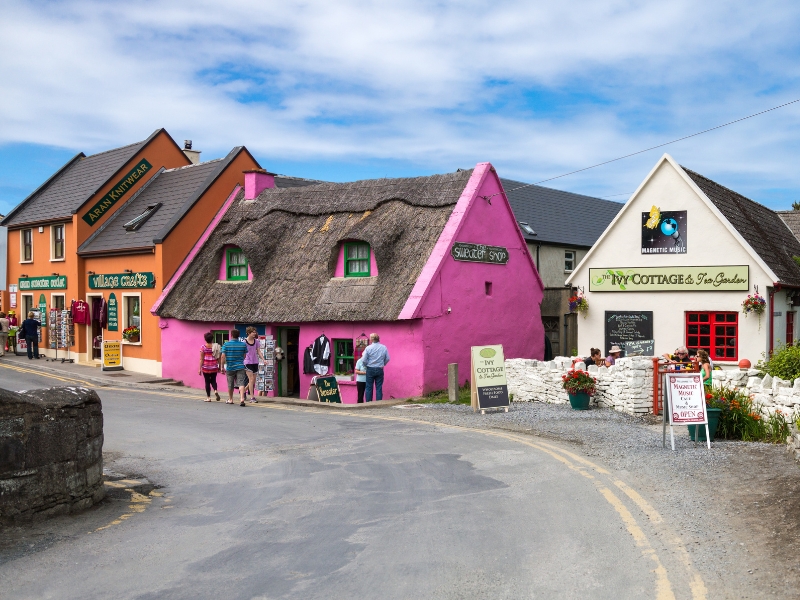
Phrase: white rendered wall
x=708 y=241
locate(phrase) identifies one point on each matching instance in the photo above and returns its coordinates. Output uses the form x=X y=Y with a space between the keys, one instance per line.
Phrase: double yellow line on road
x=603 y=480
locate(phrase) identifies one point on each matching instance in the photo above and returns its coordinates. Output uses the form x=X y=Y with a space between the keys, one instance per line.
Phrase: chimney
x=256 y=181
x=192 y=155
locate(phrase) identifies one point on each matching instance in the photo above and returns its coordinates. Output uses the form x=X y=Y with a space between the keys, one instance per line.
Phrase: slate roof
x=761 y=227
x=177 y=190
x=72 y=185
x=792 y=220
x=559 y=217
x=291 y=238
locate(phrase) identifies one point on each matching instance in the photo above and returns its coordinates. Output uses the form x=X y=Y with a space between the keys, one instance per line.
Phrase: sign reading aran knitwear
x=728 y=278
x=122 y=280
x=493 y=255
x=118 y=191
x=55 y=282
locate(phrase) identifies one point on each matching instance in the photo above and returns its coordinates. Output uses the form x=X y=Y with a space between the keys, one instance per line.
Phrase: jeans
x=33 y=346
x=374 y=374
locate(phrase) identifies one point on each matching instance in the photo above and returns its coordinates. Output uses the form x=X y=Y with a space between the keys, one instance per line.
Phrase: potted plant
x=131 y=334
x=579 y=304
x=580 y=386
x=715 y=403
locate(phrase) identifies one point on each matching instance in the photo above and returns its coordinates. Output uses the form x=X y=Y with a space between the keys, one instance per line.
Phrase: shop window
x=569 y=261
x=57 y=242
x=343 y=363
x=27 y=306
x=235 y=265
x=26 y=245
x=57 y=301
x=220 y=337
x=131 y=318
x=356 y=259
x=715 y=332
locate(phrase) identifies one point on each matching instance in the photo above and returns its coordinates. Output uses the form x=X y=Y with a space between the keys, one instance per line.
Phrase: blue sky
x=357 y=89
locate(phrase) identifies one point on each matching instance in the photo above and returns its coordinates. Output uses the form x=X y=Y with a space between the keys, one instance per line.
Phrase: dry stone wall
x=626 y=386
x=51 y=452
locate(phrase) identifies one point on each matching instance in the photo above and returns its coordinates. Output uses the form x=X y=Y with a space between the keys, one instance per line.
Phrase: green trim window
x=356 y=259
x=343 y=362
x=220 y=337
x=235 y=265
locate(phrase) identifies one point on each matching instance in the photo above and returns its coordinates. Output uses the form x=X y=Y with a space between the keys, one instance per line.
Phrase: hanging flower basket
x=754 y=304
x=578 y=304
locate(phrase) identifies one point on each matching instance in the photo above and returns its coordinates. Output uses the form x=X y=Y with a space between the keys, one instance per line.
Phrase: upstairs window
x=26 y=246
x=356 y=259
x=57 y=242
x=569 y=261
x=235 y=265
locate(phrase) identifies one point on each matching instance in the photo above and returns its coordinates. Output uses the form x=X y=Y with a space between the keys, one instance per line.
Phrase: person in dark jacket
x=30 y=329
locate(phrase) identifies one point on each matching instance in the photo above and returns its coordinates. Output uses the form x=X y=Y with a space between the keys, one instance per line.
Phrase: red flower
x=709 y=396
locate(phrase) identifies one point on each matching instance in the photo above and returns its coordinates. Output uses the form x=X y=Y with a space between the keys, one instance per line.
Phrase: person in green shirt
x=705 y=367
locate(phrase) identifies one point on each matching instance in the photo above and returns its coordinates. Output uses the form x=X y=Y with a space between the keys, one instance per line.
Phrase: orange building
x=46 y=229
x=133 y=255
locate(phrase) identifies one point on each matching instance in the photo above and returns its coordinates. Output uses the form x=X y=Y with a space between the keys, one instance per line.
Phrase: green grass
x=440 y=396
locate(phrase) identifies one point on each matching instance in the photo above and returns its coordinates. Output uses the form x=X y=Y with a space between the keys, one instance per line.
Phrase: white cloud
x=537 y=88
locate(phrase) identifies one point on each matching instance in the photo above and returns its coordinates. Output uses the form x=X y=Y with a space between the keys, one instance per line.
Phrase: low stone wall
x=51 y=452
x=627 y=386
x=769 y=393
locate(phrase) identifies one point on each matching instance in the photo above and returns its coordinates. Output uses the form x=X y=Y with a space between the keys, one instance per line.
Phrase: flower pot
x=700 y=430
x=580 y=400
x=133 y=339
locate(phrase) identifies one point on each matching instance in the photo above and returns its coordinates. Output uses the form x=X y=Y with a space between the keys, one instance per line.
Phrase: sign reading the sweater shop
x=56 y=282
x=493 y=255
x=735 y=278
x=122 y=280
x=118 y=191
x=489 y=384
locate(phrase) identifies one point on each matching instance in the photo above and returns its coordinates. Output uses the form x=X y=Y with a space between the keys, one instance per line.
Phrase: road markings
x=30 y=371
x=138 y=502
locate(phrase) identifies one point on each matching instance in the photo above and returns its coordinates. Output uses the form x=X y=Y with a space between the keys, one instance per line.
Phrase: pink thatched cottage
x=433 y=264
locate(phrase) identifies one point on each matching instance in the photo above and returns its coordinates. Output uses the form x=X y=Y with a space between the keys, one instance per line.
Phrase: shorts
x=236 y=378
x=253 y=368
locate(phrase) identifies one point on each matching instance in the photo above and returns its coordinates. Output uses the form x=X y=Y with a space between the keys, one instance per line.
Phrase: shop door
x=95 y=331
x=552 y=329
x=571 y=334
x=790 y=328
x=289 y=367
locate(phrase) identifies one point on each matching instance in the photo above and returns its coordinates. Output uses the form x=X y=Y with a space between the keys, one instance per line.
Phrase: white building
x=677 y=262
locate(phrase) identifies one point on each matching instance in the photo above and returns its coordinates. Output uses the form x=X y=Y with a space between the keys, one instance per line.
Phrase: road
x=280 y=502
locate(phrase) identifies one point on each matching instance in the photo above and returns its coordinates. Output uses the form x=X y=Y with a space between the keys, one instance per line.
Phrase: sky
x=357 y=89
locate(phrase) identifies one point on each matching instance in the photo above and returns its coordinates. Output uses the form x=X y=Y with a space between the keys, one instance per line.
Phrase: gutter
x=118 y=252
x=776 y=287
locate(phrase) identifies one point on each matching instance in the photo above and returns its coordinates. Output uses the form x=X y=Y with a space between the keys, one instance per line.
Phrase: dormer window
x=136 y=223
x=356 y=259
x=235 y=265
x=527 y=228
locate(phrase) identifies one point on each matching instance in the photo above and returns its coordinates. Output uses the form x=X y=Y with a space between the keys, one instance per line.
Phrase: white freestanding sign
x=686 y=399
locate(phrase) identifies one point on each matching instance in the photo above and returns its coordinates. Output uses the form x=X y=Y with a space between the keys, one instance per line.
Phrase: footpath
x=94 y=376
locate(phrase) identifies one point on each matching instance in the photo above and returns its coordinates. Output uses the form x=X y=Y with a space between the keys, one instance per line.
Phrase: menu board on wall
x=624 y=327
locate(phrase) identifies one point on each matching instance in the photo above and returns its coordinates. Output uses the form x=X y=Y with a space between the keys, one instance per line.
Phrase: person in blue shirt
x=375 y=358
x=361 y=379
x=232 y=360
x=30 y=329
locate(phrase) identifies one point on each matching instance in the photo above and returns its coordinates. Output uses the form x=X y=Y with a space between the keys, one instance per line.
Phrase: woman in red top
x=209 y=365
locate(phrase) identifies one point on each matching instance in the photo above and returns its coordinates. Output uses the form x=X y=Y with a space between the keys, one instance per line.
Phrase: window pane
x=705 y=328
x=692 y=318
x=730 y=352
x=692 y=329
x=719 y=353
x=719 y=341
x=692 y=340
x=704 y=318
x=730 y=317
x=705 y=340
x=719 y=330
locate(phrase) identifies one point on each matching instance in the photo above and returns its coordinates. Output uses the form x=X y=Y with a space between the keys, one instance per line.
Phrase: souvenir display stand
x=62 y=333
x=265 y=378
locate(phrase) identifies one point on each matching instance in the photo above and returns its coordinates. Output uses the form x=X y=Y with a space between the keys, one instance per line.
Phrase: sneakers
x=217 y=395
x=242 y=403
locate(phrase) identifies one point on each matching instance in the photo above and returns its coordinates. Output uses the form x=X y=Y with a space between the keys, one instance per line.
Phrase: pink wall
x=180 y=350
x=510 y=316
x=339 y=272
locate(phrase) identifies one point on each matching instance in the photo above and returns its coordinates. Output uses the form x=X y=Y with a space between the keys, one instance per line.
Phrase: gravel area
x=740 y=501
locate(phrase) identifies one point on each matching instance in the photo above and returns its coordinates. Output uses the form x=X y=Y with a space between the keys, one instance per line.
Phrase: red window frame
x=716 y=332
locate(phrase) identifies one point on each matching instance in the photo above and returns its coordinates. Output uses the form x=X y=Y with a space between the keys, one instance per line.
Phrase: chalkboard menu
x=634 y=329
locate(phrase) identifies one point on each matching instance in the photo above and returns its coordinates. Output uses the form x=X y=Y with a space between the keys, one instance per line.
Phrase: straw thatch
x=291 y=238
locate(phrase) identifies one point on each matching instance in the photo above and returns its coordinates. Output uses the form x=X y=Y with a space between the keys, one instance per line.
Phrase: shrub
x=784 y=362
x=741 y=419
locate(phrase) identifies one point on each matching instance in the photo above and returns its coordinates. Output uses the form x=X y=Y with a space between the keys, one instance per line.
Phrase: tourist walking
x=30 y=329
x=375 y=358
x=232 y=360
x=4 y=325
x=209 y=365
x=251 y=360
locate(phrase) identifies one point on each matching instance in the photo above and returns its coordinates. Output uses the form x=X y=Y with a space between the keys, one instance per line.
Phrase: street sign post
x=686 y=404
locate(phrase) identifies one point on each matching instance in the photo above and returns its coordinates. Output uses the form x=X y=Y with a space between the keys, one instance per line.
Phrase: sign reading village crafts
x=56 y=282
x=734 y=278
x=493 y=255
x=118 y=191
x=489 y=385
x=122 y=280
x=664 y=232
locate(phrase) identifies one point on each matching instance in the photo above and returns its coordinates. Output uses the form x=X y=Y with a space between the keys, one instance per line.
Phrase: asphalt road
x=275 y=502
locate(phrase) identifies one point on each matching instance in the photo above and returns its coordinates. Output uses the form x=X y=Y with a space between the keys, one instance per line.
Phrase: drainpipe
x=776 y=287
x=538 y=270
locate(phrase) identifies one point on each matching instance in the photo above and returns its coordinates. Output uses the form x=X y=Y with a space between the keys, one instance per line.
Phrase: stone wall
x=769 y=393
x=51 y=452
x=627 y=386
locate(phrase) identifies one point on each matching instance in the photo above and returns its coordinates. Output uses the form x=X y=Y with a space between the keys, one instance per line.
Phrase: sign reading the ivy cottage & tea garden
x=734 y=278
x=122 y=280
x=118 y=191
x=489 y=385
x=493 y=255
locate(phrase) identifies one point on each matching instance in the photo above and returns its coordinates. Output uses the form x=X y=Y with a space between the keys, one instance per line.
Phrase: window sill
x=234 y=280
x=346 y=382
x=26 y=262
x=127 y=343
x=58 y=260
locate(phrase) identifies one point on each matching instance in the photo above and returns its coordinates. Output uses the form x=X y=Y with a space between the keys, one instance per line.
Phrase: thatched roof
x=291 y=238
